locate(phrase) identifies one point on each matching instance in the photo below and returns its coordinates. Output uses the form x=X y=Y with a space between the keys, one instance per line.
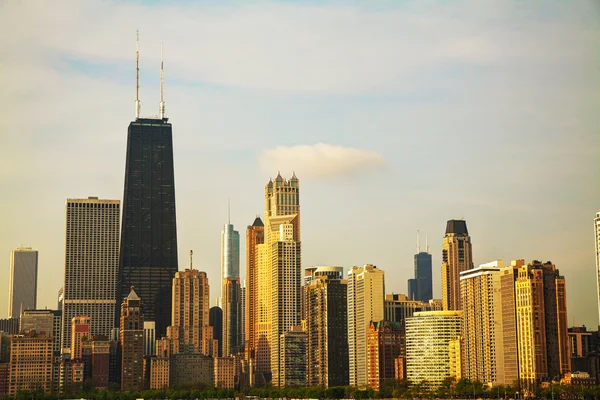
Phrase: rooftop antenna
x=228 y=212
x=426 y=244
x=137 y=76
x=162 y=85
x=418 y=244
x=191 y=263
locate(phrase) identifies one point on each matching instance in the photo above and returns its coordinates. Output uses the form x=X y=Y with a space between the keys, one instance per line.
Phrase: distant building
x=224 y=372
x=421 y=287
x=149 y=338
x=255 y=235
x=397 y=307
x=31 y=359
x=510 y=341
x=9 y=325
x=71 y=375
x=232 y=317
x=456 y=257
x=101 y=363
x=293 y=358
x=48 y=321
x=80 y=331
x=192 y=368
x=428 y=337
x=216 y=322
x=132 y=343
x=22 y=288
x=385 y=343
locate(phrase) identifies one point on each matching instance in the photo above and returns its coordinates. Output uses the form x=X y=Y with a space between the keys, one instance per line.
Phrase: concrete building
x=225 y=372
x=132 y=343
x=80 y=331
x=293 y=358
x=48 y=321
x=365 y=304
x=324 y=311
x=30 y=362
x=91 y=264
x=397 y=307
x=385 y=343
x=255 y=235
x=191 y=304
x=22 y=286
x=482 y=344
x=541 y=310
x=456 y=257
x=428 y=337
x=190 y=368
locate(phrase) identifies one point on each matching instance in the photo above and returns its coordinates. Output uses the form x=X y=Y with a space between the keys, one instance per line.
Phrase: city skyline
x=516 y=207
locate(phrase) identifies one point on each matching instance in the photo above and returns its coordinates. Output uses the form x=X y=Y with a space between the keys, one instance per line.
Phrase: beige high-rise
x=508 y=276
x=482 y=345
x=255 y=235
x=366 y=292
x=456 y=257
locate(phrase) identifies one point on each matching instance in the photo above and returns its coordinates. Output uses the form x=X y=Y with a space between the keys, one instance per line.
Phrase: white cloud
x=320 y=160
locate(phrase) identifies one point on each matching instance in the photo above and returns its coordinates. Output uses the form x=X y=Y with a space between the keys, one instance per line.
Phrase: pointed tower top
x=132 y=295
x=162 y=85
x=137 y=76
x=293 y=178
x=279 y=177
x=258 y=221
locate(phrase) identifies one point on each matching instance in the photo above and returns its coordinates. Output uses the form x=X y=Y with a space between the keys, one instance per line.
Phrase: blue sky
x=396 y=116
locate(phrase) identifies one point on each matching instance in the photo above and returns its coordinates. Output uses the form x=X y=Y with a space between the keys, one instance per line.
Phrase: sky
x=395 y=115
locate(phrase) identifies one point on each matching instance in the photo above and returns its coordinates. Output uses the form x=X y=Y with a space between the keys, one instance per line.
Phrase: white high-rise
x=366 y=294
x=91 y=264
x=597 y=234
x=22 y=288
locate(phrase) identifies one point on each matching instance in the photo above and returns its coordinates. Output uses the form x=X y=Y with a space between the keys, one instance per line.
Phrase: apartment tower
x=456 y=257
x=255 y=235
x=148 y=257
x=91 y=264
x=324 y=310
x=22 y=287
x=365 y=304
x=132 y=343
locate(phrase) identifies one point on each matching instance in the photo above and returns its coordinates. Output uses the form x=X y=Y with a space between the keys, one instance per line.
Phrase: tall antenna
x=426 y=244
x=191 y=263
x=162 y=85
x=137 y=75
x=418 y=244
x=228 y=212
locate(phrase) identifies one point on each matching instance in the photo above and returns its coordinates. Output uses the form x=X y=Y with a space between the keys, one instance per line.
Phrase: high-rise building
x=191 y=304
x=541 y=309
x=324 y=310
x=232 y=318
x=508 y=277
x=482 y=344
x=366 y=291
x=91 y=264
x=292 y=355
x=385 y=343
x=255 y=235
x=215 y=320
x=31 y=358
x=22 y=287
x=47 y=321
x=597 y=241
x=149 y=338
x=230 y=252
x=421 y=286
x=282 y=263
x=456 y=257
x=148 y=257
x=132 y=342
x=428 y=337
x=80 y=332
x=397 y=307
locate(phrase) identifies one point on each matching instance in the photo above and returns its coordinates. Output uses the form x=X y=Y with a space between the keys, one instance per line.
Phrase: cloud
x=320 y=160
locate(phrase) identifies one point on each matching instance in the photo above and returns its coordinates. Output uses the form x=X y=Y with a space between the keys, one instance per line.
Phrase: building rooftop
x=457 y=227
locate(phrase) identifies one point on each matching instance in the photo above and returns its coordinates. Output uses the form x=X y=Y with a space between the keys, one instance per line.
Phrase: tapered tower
x=456 y=258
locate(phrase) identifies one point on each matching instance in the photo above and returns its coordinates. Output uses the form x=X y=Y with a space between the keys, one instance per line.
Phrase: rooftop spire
x=228 y=212
x=137 y=76
x=162 y=85
x=191 y=263
x=418 y=244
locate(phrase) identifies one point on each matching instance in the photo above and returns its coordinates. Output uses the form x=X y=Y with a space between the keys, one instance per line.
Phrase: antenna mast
x=191 y=254
x=418 y=244
x=162 y=85
x=426 y=244
x=137 y=76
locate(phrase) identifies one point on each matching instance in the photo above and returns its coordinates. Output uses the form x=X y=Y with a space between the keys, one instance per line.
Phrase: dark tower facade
x=148 y=257
x=421 y=287
x=215 y=317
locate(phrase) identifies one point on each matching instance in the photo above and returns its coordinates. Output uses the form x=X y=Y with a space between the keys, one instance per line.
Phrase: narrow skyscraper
x=456 y=257
x=22 y=288
x=421 y=287
x=230 y=289
x=597 y=237
x=132 y=343
x=255 y=235
x=91 y=264
x=148 y=258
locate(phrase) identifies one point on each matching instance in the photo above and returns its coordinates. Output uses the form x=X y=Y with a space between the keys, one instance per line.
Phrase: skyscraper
x=230 y=290
x=326 y=318
x=385 y=343
x=365 y=304
x=148 y=258
x=255 y=235
x=132 y=342
x=421 y=287
x=91 y=264
x=283 y=258
x=22 y=288
x=597 y=237
x=482 y=330
x=456 y=257
x=48 y=321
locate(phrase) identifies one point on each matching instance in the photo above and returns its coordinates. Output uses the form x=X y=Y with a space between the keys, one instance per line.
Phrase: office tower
x=132 y=342
x=508 y=277
x=232 y=321
x=421 y=287
x=482 y=345
x=80 y=332
x=385 y=343
x=22 y=287
x=292 y=355
x=397 y=307
x=191 y=302
x=148 y=258
x=456 y=257
x=47 y=321
x=31 y=358
x=597 y=241
x=324 y=310
x=428 y=336
x=91 y=264
x=215 y=317
x=365 y=304
x=279 y=274
x=230 y=252
x=100 y=363
x=541 y=309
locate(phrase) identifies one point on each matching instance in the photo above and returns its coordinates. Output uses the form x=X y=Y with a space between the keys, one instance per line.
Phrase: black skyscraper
x=148 y=258
x=421 y=287
x=215 y=319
